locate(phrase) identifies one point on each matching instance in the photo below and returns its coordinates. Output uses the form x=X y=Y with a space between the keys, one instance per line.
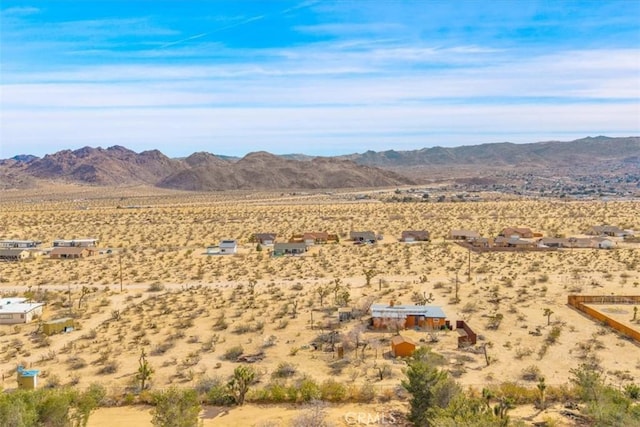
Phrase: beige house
x=13 y=254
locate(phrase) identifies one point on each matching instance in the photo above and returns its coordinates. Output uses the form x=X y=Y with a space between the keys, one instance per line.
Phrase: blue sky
x=317 y=77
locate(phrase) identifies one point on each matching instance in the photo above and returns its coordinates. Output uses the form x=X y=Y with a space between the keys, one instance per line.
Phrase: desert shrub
x=284 y=370
x=308 y=390
x=553 y=335
x=76 y=362
x=530 y=373
x=233 y=353
x=333 y=391
x=176 y=408
x=111 y=367
x=155 y=287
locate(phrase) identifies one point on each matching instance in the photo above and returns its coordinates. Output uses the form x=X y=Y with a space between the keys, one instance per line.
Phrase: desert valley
x=322 y=294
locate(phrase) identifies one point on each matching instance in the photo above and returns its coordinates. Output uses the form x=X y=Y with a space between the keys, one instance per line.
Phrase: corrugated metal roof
x=402 y=311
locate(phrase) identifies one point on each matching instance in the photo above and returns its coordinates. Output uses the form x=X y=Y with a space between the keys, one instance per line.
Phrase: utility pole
x=469 y=268
x=457 y=287
x=120 y=263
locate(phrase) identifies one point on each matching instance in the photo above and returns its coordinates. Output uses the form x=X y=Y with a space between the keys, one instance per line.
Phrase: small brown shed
x=402 y=346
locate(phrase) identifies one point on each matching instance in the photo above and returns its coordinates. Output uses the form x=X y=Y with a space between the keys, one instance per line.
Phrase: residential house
x=228 y=247
x=398 y=317
x=280 y=249
x=465 y=235
x=363 y=236
x=608 y=230
x=314 y=238
x=265 y=239
x=554 y=242
x=18 y=310
x=481 y=242
x=604 y=243
x=19 y=244
x=75 y=243
x=513 y=242
x=13 y=254
x=519 y=232
x=409 y=236
x=65 y=252
x=402 y=346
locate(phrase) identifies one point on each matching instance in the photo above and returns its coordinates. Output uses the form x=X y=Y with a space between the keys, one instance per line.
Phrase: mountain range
x=204 y=171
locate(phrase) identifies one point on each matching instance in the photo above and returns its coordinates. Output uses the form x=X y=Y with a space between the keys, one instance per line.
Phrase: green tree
x=243 y=377
x=548 y=312
x=423 y=379
x=175 y=407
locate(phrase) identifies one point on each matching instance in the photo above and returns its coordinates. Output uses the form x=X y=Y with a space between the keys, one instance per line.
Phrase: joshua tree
x=542 y=387
x=635 y=313
x=242 y=378
x=145 y=371
x=369 y=274
x=548 y=312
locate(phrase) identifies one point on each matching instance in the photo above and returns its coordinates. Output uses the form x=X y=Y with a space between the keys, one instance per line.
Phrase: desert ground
x=193 y=314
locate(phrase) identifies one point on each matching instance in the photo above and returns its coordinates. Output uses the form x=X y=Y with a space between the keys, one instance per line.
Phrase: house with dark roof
x=265 y=239
x=409 y=236
x=464 y=235
x=282 y=249
x=363 y=236
x=13 y=254
x=608 y=230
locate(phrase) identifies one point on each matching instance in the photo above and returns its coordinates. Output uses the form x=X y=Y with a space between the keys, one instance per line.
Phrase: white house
x=18 y=310
x=84 y=243
x=21 y=244
x=226 y=247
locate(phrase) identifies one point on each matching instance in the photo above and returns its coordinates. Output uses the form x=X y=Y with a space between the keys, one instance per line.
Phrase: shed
x=27 y=378
x=345 y=314
x=402 y=346
x=65 y=324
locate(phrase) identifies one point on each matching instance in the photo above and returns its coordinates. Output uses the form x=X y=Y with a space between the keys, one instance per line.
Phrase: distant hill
x=199 y=172
x=204 y=171
x=264 y=171
x=539 y=154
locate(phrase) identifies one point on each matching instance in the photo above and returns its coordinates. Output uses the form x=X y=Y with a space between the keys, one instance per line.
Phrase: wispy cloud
x=324 y=74
x=19 y=11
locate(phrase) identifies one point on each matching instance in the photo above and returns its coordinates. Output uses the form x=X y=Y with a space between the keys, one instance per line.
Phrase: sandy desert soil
x=186 y=309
